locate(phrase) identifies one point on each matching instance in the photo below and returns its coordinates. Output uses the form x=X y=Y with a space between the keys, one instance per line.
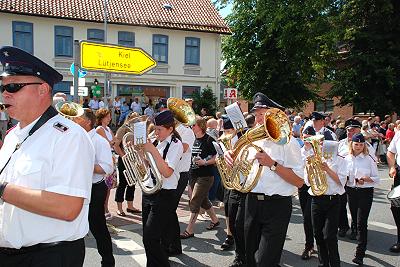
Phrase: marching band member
x=318 y=123
x=325 y=210
x=44 y=197
x=268 y=206
x=393 y=160
x=363 y=177
x=160 y=206
x=171 y=239
x=305 y=204
x=103 y=164
x=352 y=127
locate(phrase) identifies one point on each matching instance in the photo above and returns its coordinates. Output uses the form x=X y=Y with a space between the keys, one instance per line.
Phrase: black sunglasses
x=14 y=87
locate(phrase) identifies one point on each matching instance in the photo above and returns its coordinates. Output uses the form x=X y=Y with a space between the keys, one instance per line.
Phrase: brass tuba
x=277 y=128
x=69 y=109
x=140 y=166
x=182 y=111
x=315 y=174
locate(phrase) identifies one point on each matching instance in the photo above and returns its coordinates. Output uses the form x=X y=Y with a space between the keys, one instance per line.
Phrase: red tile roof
x=194 y=15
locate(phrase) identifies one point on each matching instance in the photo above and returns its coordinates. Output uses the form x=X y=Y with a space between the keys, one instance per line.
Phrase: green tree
x=276 y=48
x=205 y=99
x=367 y=73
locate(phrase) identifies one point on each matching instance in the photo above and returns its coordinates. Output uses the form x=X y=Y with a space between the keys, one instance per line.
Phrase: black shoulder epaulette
x=61 y=127
x=340 y=156
x=371 y=157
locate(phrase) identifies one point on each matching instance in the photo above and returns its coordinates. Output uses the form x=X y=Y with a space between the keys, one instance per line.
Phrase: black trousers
x=123 y=185
x=236 y=213
x=360 y=202
x=343 y=220
x=98 y=225
x=325 y=219
x=171 y=240
x=157 y=209
x=305 y=204
x=265 y=226
x=396 y=210
x=69 y=254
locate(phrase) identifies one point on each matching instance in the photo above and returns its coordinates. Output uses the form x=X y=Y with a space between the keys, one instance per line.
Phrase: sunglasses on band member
x=14 y=87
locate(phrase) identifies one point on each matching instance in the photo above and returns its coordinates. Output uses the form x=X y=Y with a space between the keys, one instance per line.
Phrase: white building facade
x=188 y=56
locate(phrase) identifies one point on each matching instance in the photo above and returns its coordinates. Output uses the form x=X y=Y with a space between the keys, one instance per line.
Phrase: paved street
x=203 y=250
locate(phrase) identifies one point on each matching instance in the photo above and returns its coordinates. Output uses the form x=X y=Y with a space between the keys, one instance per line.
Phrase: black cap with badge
x=316 y=116
x=260 y=100
x=16 y=61
x=352 y=123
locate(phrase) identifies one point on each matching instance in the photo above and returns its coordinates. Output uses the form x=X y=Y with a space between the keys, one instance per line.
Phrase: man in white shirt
x=136 y=106
x=46 y=165
x=103 y=164
x=94 y=103
x=268 y=206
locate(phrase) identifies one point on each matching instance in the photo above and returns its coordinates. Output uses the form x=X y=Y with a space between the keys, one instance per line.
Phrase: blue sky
x=224 y=12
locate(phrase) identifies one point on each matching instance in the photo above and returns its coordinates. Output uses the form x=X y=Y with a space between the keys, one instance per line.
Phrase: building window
x=23 y=35
x=192 y=51
x=95 y=35
x=63 y=41
x=188 y=91
x=126 y=38
x=160 y=48
x=62 y=87
x=324 y=105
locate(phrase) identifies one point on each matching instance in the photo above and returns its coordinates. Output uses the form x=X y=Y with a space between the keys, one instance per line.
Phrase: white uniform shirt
x=59 y=158
x=172 y=159
x=394 y=146
x=360 y=166
x=288 y=156
x=136 y=107
x=103 y=155
x=94 y=104
x=338 y=165
x=101 y=104
x=188 y=137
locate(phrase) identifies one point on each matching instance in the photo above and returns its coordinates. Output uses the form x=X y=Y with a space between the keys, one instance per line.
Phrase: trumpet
x=4 y=106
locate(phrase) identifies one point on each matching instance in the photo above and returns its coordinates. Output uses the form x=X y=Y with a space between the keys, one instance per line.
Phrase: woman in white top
x=160 y=206
x=363 y=177
x=103 y=119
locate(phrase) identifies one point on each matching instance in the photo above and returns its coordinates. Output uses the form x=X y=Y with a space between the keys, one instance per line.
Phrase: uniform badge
x=61 y=127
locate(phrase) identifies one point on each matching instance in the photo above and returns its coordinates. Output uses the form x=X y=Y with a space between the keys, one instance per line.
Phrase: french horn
x=277 y=128
x=140 y=166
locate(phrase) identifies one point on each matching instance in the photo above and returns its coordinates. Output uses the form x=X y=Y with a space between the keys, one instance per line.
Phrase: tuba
x=277 y=128
x=182 y=111
x=69 y=109
x=316 y=175
x=140 y=166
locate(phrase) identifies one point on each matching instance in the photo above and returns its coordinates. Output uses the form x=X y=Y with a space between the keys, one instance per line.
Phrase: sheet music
x=140 y=133
x=236 y=116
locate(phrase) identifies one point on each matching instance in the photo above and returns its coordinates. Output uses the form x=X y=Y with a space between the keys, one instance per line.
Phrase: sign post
x=115 y=59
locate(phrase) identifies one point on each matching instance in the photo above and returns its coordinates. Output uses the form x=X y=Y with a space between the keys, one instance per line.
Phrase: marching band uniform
x=171 y=239
x=305 y=204
x=394 y=162
x=268 y=206
x=325 y=213
x=97 y=221
x=160 y=206
x=27 y=238
x=343 y=151
x=328 y=134
x=361 y=195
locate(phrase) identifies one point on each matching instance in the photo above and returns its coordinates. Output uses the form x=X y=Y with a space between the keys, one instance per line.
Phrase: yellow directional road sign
x=114 y=58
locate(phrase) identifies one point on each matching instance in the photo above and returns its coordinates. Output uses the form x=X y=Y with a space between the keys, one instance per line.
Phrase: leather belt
x=262 y=197
x=330 y=197
x=37 y=247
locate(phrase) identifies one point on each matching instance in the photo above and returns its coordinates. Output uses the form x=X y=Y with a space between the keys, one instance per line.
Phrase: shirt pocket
x=29 y=173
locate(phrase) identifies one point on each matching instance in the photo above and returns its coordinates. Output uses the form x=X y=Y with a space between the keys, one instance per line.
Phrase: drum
x=394 y=196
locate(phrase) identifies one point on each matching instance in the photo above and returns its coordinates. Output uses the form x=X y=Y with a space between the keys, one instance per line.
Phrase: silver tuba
x=139 y=165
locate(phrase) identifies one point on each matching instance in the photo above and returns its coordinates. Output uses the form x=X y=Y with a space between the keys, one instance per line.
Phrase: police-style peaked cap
x=16 y=61
x=317 y=116
x=260 y=100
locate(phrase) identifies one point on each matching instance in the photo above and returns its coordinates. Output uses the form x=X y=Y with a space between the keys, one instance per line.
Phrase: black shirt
x=204 y=149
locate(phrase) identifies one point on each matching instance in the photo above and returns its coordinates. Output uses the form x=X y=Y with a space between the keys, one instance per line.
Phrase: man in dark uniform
x=318 y=123
x=46 y=168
